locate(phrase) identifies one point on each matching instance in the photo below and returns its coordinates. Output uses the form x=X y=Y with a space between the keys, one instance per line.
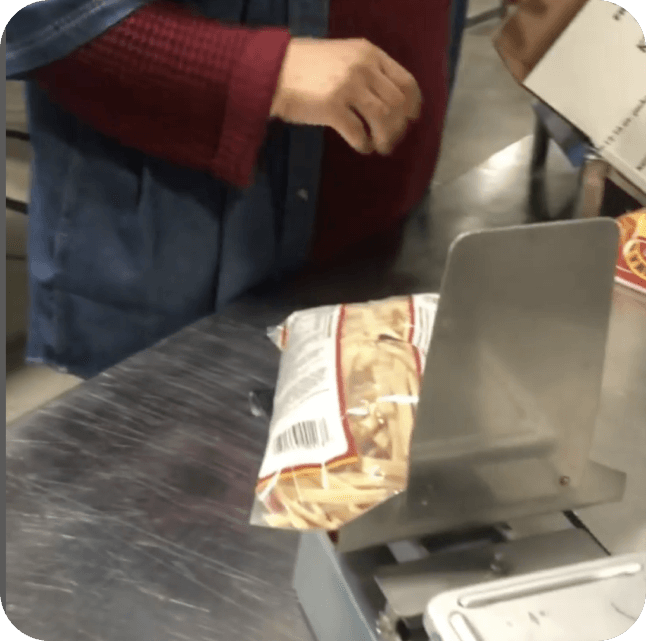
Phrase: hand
x=349 y=85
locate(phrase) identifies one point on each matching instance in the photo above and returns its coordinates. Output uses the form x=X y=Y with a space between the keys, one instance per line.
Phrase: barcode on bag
x=305 y=435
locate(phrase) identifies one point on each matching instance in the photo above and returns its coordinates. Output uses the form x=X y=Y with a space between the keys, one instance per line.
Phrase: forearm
x=177 y=86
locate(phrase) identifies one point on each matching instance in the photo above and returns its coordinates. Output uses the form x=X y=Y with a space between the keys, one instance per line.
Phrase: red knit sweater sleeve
x=177 y=86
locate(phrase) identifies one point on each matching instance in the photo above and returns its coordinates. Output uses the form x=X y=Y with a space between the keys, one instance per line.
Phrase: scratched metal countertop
x=128 y=499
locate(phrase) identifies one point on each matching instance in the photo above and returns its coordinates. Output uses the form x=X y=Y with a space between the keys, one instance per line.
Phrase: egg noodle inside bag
x=344 y=411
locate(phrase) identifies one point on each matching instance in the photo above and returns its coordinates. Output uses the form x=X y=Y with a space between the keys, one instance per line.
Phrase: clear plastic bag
x=343 y=412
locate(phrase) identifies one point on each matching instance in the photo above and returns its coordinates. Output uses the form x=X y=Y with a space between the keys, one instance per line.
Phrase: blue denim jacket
x=125 y=248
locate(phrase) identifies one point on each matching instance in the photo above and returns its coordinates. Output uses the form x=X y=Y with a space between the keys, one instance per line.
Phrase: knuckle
x=366 y=50
x=401 y=101
x=385 y=111
x=356 y=75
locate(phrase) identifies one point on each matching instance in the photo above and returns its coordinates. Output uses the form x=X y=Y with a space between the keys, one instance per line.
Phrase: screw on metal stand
x=499 y=565
x=387 y=627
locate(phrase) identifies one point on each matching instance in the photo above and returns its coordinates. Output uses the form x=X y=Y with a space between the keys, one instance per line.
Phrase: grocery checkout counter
x=128 y=499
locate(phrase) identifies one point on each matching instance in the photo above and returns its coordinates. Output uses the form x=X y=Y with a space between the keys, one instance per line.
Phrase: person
x=185 y=152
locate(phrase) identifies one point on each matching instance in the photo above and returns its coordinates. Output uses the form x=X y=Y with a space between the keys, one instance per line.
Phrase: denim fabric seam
x=54 y=30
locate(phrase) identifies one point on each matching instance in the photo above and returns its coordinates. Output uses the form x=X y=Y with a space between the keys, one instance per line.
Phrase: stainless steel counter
x=128 y=499
x=128 y=502
x=620 y=437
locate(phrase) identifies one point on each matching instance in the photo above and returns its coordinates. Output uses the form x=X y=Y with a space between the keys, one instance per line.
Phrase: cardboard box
x=586 y=59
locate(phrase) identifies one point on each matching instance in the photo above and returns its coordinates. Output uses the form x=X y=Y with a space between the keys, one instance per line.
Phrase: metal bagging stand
x=504 y=428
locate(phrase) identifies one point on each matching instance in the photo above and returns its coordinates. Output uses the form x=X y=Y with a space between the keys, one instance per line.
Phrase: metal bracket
x=512 y=384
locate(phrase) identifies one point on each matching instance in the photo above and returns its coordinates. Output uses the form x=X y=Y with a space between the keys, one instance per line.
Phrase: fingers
x=387 y=121
x=352 y=129
x=387 y=98
x=388 y=91
x=405 y=82
x=355 y=88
